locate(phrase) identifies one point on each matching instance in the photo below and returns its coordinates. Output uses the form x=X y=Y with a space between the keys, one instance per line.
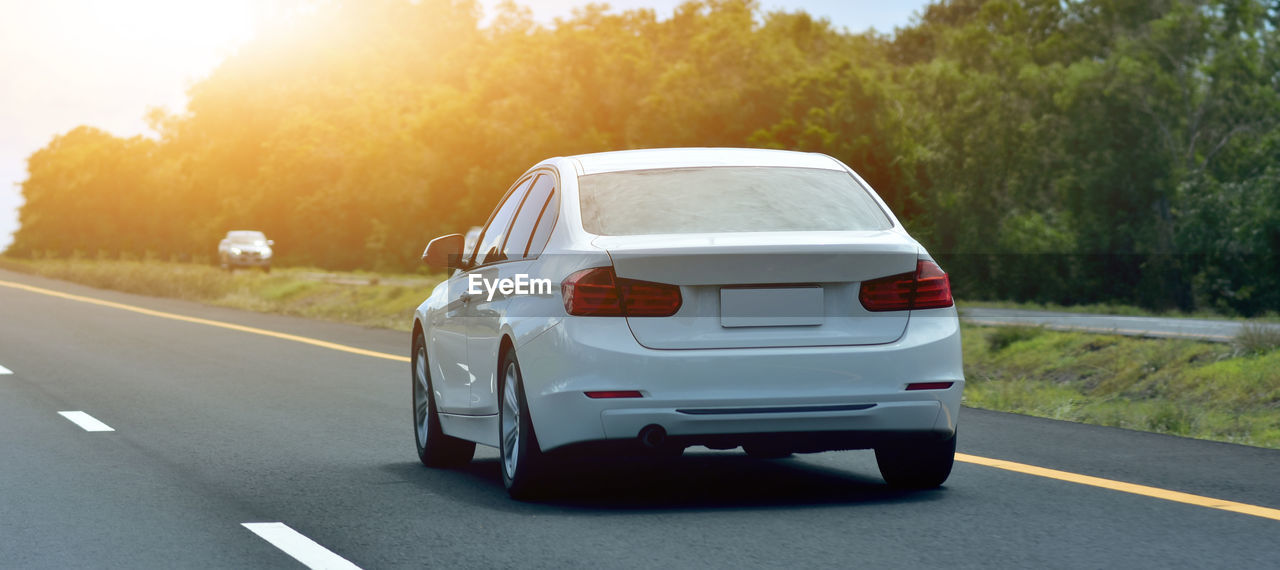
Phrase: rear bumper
x=820 y=397
x=880 y=417
x=793 y=442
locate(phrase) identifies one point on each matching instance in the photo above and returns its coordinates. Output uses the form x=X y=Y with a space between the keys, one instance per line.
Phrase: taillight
x=927 y=288
x=599 y=292
x=933 y=287
x=592 y=293
x=891 y=293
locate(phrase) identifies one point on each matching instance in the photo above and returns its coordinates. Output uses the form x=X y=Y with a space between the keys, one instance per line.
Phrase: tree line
x=1044 y=150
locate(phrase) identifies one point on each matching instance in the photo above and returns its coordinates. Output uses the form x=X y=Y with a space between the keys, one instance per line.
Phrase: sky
x=104 y=63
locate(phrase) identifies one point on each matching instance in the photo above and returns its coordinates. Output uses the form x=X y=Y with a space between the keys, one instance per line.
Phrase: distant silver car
x=245 y=248
x=471 y=238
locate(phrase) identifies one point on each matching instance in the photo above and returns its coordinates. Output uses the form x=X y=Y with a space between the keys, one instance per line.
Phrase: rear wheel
x=435 y=448
x=917 y=465
x=522 y=462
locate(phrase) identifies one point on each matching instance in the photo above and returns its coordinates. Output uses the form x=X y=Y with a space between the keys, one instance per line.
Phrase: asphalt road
x=217 y=427
x=1156 y=327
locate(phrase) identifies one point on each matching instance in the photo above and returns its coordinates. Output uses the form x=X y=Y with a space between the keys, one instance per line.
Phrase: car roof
x=649 y=159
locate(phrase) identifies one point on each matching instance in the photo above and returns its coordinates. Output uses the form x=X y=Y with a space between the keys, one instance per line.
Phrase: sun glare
x=103 y=62
x=180 y=24
x=191 y=34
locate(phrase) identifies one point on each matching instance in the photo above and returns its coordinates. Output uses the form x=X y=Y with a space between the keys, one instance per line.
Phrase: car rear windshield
x=724 y=199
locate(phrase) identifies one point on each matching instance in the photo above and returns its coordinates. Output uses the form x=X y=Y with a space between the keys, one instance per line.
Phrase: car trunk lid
x=765 y=289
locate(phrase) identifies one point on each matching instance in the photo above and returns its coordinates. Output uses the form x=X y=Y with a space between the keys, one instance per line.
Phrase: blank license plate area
x=771 y=307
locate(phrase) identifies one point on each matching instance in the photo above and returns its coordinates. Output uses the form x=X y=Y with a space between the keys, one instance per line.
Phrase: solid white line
x=303 y=549
x=4 y=371
x=86 y=421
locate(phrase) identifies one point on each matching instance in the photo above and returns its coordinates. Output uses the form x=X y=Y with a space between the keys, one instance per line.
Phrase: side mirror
x=445 y=252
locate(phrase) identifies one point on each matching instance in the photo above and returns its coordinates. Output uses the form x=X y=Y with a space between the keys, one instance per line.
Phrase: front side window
x=726 y=199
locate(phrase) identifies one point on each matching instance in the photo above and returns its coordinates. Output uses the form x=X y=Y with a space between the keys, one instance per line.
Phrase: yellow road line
x=1154 y=492
x=1101 y=330
x=212 y=323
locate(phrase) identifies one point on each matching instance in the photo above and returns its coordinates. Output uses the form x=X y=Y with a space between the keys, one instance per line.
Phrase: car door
x=476 y=312
x=448 y=344
x=485 y=332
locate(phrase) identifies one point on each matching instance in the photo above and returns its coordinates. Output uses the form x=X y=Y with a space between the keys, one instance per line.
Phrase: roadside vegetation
x=1092 y=151
x=385 y=301
x=1224 y=392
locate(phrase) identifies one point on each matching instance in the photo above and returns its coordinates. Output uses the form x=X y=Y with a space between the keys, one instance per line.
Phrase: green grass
x=1256 y=339
x=385 y=301
x=1180 y=387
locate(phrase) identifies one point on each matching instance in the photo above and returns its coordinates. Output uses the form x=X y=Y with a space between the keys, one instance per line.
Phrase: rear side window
x=494 y=235
x=546 y=222
x=726 y=199
x=527 y=219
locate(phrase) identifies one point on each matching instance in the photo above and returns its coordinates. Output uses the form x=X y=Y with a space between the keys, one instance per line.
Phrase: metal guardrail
x=1152 y=327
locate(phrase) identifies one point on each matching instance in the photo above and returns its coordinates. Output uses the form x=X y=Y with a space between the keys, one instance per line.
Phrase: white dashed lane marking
x=301 y=548
x=86 y=421
x=4 y=371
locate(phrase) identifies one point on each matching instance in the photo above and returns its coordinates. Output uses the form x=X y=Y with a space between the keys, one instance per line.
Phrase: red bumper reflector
x=614 y=394
x=929 y=385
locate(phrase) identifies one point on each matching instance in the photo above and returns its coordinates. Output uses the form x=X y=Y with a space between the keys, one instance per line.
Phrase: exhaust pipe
x=653 y=436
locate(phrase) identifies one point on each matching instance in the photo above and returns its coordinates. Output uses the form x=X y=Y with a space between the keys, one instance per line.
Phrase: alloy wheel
x=510 y=422
x=421 y=395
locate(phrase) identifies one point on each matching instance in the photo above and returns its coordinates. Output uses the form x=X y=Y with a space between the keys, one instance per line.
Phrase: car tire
x=435 y=448
x=520 y=458
x=917 y=465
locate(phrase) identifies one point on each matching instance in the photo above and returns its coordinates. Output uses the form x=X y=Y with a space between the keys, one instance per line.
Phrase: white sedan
x=652 y=300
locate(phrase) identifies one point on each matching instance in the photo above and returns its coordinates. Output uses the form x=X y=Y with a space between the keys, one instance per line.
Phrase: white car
x=245 y=248
x=652 y=300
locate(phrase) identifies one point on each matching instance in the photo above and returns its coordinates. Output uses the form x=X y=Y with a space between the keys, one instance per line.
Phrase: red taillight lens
x=927 y=288
x=592 y=293
x=892 y=293
x=933 y=287
x=598 y=292
x=649 y=299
